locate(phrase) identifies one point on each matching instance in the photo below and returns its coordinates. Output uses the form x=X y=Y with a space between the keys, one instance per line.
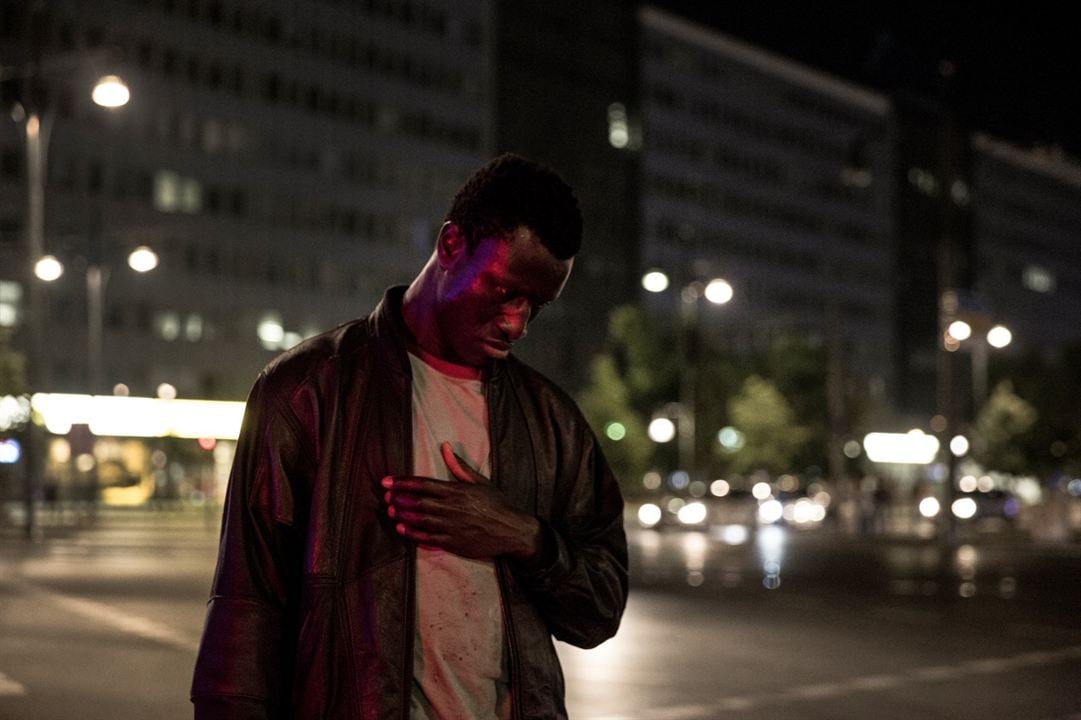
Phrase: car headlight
x=692 y=513
x=649 y=515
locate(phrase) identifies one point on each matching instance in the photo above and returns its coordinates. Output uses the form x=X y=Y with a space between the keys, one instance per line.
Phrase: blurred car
x=987 y=505
x=674 y=511
x=661 y=512
x=736 y=507
x=792 y=509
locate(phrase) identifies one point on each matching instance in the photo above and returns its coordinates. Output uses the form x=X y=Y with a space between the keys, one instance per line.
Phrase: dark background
x=1018 y=66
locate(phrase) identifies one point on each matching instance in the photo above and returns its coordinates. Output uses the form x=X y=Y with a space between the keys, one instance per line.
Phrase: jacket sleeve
x=243 y=667
x=579 y=584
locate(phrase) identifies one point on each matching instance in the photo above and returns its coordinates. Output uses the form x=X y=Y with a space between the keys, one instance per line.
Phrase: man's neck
x=417 y=314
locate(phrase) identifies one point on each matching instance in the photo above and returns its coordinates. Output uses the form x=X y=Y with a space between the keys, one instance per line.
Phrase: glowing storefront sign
x=113 y=416
x=911 y=448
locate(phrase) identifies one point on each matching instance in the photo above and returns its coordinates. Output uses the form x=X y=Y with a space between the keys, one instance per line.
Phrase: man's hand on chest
x=468 y=518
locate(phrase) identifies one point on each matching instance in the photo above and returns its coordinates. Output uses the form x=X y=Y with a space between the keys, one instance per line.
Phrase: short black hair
x=511 y=191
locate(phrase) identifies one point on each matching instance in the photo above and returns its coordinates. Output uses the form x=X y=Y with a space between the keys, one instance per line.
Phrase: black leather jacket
x=312 y=606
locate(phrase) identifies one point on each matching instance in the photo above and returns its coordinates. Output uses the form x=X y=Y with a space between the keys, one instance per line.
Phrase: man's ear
x=450 y=245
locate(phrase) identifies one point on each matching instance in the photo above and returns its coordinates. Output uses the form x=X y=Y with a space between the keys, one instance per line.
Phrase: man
x=412 y=512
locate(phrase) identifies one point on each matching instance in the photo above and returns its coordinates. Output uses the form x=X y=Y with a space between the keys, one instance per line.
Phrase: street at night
x=809 y=281
x=104 y=623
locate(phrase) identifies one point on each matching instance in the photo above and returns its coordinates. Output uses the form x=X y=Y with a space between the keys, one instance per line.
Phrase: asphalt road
x=104 y=623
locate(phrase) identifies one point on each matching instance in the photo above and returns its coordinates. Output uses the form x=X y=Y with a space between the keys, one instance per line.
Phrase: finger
x=415 y=485
x=422 y=537
x=417 y=503
x=458 y=466
x=420 y=521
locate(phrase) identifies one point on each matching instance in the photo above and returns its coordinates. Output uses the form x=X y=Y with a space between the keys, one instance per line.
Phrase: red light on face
x=208 y=443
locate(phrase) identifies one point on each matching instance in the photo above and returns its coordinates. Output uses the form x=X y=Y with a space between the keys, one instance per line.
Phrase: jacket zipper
x=502 y=574
x=512 y=646
x=410 y=631
x=410 y=567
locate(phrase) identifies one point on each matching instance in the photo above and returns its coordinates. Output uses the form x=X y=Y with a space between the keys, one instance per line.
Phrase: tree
x=771 y=437
x=640 y=372
x=634 y=375
x=798 y=368
x=606 y=404
x=1049 y=380
x=1003 y=431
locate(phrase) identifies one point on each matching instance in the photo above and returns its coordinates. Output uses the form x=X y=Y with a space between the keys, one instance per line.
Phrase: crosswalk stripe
x=9 y=687
x=118 y=619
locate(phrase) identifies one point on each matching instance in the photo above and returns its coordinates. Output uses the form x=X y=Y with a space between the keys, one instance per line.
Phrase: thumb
x=458 y=467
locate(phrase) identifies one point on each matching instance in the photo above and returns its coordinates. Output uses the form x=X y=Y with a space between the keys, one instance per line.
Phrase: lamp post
x=716 y=291
x=975 y=329
x=48 y=269
x=959 y=332
x=36 y=123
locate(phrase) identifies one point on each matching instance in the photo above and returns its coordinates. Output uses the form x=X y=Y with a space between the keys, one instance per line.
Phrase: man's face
x=486 y=298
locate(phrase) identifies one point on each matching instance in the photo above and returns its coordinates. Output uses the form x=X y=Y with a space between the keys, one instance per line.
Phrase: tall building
x=778 y=179
x=286 y=160
x=566 y=93
x=933 y=225
x=1027 y=227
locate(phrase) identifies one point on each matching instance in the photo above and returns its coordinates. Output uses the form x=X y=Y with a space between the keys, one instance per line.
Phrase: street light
x=48 y=268
x=717 y=291
x=142 y=259
x=963 y=320
x=998 y=337
x=110 y=92
x=36 y=126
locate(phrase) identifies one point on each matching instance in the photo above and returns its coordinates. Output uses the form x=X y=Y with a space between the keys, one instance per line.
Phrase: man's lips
x=500 y=345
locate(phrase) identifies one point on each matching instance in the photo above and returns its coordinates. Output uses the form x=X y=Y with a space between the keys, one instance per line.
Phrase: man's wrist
x=531 y=547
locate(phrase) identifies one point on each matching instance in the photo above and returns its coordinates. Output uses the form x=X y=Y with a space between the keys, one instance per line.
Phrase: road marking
x=737 y=703
x=10 y=688
x=118 y=619
x=872 y=683
x=936 y=673
x=816 y=691
x=875 y=682
x=989 y=666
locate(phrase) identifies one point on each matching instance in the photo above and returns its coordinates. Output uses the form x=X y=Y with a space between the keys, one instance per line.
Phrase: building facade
x=1027 y=228
x=287 y=161
x=776 y=178
x=566 y=89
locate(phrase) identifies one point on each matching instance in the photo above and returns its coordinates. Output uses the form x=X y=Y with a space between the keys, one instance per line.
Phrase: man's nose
x=515 y=320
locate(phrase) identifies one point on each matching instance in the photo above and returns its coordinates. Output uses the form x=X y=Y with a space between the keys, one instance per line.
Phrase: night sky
x=1018 y=66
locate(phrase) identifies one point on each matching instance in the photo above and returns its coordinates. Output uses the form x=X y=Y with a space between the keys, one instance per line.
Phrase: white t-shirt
x=459 y=661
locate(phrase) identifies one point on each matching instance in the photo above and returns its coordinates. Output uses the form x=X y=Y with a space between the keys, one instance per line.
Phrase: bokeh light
x=615 y=431
x=649 y=515
x=661 y=430
x=655 y=281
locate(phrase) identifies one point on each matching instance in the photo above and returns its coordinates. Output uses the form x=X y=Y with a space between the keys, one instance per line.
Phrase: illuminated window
x=1038 y=279
x=168 y=326
x=166 y=191
x=270 y=331
x=618 y=130
x=923 y=180
x=176 y=194
x=193 y=327
x=9 y=315
x=191 y=196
